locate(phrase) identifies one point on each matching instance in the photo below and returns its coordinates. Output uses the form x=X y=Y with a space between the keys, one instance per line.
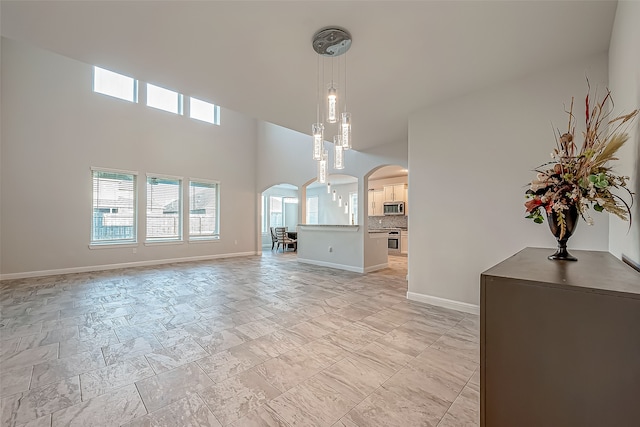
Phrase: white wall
x=470 y=160
x=624 y=82
x=54 y=128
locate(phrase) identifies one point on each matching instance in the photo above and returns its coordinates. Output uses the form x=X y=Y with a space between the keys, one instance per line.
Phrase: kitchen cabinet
x=559 y=341
x=404 y=241
x=376 y=203
x=395 y=193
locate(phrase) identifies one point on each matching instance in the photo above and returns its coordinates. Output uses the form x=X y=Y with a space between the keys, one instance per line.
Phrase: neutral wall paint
x=54 y=129
x=624 y=82
x=470 y=160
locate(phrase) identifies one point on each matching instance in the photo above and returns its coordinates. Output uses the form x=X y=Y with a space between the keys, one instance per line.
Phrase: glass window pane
x=164 y=209
x=164 y=99
x=202 y=110
x=114 y=207
x=114 y=84
x=203 y=209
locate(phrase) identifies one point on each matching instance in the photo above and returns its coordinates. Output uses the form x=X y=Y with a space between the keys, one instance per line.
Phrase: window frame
x=165 y=240
x=216 y=235
x=131 y=242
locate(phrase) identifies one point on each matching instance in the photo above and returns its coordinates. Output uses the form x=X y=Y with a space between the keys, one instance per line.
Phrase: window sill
x=204 y=240
x=164 y=242
x=112 y=245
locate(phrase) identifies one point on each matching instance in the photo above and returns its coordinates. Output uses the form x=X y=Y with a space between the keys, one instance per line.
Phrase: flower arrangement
x=583 y=178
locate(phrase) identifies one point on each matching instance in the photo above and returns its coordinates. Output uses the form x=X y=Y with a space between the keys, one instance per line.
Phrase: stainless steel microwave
x=393 y=208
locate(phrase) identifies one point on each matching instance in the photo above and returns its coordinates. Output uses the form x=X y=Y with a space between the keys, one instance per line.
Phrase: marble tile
x=235 y=397
x=353 y=379
x=168 y=387
x=8 y=347
x=118 y=406
x=384 y=408
x=383 y=358
x=58 y=369
x=38 y=402
x=21 y=330
x=465 y=410
x=264 y=416
x=258 y=328
x=404 y=342
x=74 y=345
x=354 y=313
x=188 y=411
x=437 y=363
x=418 y=386
x=220 y=341
x=119 y=374
x=309 y=330
x=136 y=347
x=171 y=357
x=458 y=347
x=29 y=357
x=311 y=403
x=49 y=337
x=228 y=363
x=15 y=380
x=289 y=369
x=39 y=422
x=139 y=330
x=275 y=344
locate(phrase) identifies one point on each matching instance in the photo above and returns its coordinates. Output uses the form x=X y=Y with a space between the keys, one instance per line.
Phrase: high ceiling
x=257 y=58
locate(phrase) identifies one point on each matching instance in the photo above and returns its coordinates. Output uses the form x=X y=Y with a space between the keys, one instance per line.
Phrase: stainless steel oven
x=394 y=241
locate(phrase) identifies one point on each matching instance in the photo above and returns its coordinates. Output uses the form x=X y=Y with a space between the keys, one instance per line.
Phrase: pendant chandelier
x=331 y=108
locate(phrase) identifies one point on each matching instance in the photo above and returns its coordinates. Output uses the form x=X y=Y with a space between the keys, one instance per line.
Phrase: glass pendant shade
x=334 y=196
x=317 y=130
x=322 y=167
x=346 y=208
x=328 y=188
x=338 y=157
x=332 y=100
x=345 y=128
x=340 y=201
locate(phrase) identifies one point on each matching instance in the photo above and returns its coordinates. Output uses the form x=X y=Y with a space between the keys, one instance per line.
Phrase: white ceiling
x=256 y=57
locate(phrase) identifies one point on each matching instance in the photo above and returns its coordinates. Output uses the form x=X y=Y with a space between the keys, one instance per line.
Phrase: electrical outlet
x=330 y=249
x=236 y=242
x=135 y=250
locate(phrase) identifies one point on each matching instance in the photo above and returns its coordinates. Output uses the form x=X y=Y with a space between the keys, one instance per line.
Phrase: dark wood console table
x=560 y=342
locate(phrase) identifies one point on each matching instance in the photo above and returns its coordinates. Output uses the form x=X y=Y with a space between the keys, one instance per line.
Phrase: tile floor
x=254 y=341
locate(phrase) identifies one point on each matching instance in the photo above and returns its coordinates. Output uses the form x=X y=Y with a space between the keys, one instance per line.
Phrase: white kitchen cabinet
x=395 y=193
x=376 y=203
x=404 y=242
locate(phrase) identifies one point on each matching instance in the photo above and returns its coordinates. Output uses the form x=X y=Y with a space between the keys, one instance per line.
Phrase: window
x=205 y=111
x=312 y=210
x=114 y=84
x=353 y=208
x=164 y=99
x=203 y=209
x=275 y=212
x=164 y=208
x=114 y=207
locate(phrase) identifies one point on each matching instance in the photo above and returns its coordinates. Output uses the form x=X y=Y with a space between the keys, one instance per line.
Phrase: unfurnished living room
x=312 y=213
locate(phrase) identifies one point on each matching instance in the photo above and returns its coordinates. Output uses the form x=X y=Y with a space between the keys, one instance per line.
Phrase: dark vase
x=571 y=220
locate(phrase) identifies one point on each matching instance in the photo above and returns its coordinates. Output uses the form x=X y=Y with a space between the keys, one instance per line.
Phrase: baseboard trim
x=91 y=268
x=332 y=265
x=443 y=302
x=376 y=267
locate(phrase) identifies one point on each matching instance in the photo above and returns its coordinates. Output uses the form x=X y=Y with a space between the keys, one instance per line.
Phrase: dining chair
x=285 y=240
x=274 y=238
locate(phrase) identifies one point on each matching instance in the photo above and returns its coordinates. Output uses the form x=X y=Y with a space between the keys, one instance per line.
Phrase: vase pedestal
x=562 y=254
x=561 y=233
